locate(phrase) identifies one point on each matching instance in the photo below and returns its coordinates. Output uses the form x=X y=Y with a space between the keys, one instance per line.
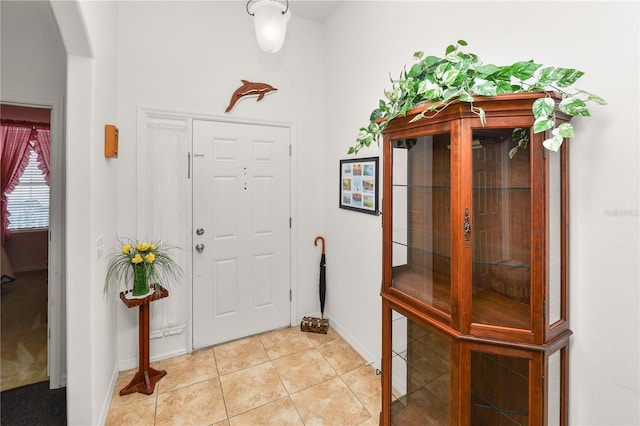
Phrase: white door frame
x=189 y=117
x=56 y=309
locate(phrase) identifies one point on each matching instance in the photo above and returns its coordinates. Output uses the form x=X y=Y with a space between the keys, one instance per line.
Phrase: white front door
x=241 y=257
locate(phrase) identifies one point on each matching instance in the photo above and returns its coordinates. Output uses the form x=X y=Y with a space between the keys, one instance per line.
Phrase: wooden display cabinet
x=474 y=293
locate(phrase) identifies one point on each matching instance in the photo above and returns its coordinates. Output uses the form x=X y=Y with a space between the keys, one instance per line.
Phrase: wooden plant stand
x=146 y=378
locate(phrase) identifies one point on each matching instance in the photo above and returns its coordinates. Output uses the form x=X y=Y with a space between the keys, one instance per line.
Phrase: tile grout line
x=218 y=376
x=316 y=345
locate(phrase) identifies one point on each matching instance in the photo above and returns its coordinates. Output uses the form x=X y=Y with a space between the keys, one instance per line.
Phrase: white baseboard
x=107 y=399
x=355 y=344
x=131 y=363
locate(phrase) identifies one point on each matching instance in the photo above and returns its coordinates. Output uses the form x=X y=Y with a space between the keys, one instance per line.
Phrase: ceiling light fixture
x=270 y=19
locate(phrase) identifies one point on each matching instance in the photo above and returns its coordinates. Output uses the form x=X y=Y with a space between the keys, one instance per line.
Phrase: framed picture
x=359 y=185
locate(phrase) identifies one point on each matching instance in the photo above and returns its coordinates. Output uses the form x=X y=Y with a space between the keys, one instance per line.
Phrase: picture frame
x=359 y=181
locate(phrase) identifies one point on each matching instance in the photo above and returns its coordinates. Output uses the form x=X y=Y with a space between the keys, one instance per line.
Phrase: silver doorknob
x=199 y=248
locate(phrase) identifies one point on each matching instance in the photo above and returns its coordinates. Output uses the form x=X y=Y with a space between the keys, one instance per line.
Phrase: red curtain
x=15 y=151
x=42 y=147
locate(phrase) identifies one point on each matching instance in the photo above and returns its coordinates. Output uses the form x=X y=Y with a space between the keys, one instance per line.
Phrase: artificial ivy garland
x=460 y=76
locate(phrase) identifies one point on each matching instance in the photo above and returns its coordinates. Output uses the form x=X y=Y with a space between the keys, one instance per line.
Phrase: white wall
x=189 y=57
x=33 y=61
x=367 y=41
x=87 y=31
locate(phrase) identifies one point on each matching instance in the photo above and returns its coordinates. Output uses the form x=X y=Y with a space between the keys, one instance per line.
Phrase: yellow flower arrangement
x=143 y=262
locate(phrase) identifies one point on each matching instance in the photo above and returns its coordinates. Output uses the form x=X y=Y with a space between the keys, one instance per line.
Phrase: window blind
x=28 y=203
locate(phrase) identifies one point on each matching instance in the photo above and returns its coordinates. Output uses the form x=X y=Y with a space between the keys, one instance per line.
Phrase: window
x=28 y=203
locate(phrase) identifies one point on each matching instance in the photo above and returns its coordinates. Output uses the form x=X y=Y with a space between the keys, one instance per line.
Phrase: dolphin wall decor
x=249 y=88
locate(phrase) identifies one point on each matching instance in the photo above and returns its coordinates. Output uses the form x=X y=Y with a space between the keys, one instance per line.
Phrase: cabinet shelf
x=421 y=186
x=489 y=307
x=479 y=402
x=501 y=188
x=502 y=264
x=484 y=188
x=507 y=259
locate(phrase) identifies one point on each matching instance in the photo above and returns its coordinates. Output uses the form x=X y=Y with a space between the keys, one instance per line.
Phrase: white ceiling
x=316 y=10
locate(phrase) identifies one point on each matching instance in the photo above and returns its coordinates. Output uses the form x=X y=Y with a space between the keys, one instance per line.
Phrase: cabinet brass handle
x=467 y=227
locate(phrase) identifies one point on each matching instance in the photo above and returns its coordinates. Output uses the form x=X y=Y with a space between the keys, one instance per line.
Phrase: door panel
x=241 y=203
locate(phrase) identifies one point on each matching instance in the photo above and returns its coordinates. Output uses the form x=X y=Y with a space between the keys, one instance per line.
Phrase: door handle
x=199 y=248
x=199 y=231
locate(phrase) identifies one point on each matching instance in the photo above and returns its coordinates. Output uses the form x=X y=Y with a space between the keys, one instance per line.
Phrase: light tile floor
x=283 y=377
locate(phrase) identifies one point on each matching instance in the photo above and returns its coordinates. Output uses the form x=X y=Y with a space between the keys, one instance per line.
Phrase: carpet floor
x=24 y=330
x=34 y=405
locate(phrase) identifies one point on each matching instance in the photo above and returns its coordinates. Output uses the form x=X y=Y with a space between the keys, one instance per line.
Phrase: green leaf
x=430 y=60
x=411 y=88
x=429 y=90
x=545 y=77
x=465 y=96
x=454 y=58
x=484 y=87
x=543 y=123
x=565 y=130
x=403 y=109
x=520 y=136
x=449 y=77
x=554 y=142
x=512 y=152
x=419 y=54
x=597 y=99
x=593 y=98
x=483 y=116
x=486 y=70
x=462 y=42
x=523 y=70
x=415 y=70
x=463 y=65
x=570 y=76
x=480 y=113
x=450 y=93
x=574 y=106
x=543 y=107
x=375 y=114
x=450 y=48
x=549 y=76
x=504 y=87
x=441 y=69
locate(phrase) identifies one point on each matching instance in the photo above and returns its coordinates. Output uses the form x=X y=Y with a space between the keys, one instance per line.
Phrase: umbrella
x=323 y=280
x=312 y=324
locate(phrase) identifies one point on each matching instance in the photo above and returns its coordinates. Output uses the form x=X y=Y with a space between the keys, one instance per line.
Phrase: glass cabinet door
x=556 y=234
x=421 y=239
x=501 y=230
x=421 y=374
x=499 y=389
